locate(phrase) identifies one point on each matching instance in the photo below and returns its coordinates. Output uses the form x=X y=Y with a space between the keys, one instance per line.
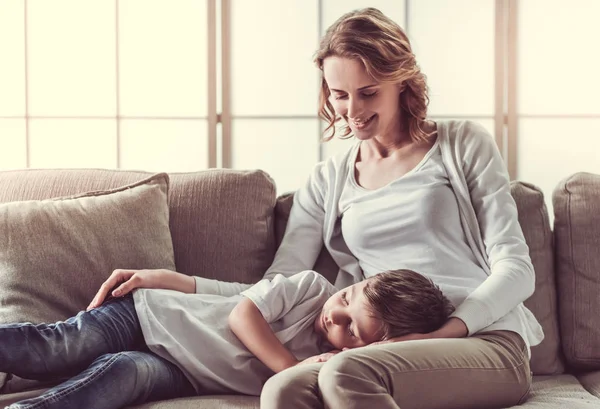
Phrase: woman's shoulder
x=461 y=128
x=464 y=135
x=463 y=141
x=336 y=165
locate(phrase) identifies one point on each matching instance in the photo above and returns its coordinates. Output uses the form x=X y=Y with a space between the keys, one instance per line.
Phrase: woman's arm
x=512 y=278
x=249 y=325
x=303 y=238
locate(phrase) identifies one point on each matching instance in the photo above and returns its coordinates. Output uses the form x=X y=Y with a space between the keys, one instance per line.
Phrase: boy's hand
x=122 y=282
x=320 y=358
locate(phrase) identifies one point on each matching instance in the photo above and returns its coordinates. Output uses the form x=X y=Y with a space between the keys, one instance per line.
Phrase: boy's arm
x=123 y=281
x=249 y=325
x=217 y=287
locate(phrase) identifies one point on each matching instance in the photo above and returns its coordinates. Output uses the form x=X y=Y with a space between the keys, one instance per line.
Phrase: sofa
x=227 y=224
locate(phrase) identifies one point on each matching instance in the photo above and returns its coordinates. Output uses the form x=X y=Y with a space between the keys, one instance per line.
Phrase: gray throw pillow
x=55 y=254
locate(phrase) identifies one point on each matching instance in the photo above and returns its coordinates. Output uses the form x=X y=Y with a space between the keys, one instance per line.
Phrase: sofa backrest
x=546 y=358
x=224 y=226
x=221 y=221
x=576 y=202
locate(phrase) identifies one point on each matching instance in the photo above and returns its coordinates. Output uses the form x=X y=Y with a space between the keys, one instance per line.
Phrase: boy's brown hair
x=406 y=302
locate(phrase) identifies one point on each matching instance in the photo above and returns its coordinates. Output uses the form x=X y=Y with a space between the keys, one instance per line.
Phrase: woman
x=414 y=194
x=411 y=193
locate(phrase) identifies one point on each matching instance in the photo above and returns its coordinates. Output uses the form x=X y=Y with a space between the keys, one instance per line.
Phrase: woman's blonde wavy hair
x=383 y=48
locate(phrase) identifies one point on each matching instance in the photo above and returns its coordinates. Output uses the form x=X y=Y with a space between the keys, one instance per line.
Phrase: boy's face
x=345 y=320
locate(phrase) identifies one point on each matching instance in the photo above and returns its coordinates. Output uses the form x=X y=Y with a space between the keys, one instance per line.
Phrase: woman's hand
x=320 y=358
x=132 y=279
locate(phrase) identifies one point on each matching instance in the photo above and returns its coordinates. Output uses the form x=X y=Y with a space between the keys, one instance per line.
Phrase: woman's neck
x=398 y=144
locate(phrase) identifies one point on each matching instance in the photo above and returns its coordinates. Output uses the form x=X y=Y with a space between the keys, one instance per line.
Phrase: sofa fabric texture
x=546 y=357
x=576 y=202
x=221 y=221
x=55 y=254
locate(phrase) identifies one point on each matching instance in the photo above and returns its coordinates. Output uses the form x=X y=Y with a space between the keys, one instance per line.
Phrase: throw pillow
x=55 y=254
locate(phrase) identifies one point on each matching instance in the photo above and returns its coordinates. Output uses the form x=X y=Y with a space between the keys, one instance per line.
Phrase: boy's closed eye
x=350 y=331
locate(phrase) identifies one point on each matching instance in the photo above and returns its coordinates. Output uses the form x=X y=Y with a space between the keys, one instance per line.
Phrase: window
x=558 y=89
x=183 y=85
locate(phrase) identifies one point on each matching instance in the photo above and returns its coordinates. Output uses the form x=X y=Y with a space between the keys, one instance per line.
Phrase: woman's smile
x=363 y=125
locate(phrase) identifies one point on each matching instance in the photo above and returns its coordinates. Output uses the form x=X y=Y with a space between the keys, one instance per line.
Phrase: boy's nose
x=336 y=316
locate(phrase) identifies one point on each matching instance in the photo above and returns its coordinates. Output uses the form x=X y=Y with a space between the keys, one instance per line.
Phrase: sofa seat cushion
x=558 y=392
x=221 y=220
x=547 y=392
x=206 y=402
x=577 y=235
x=196 y=402
x=591 y=382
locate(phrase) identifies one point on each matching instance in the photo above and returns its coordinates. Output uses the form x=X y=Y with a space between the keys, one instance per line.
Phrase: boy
x=221 y=344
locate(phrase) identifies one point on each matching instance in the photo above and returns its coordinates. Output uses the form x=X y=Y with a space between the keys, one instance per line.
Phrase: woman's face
x=371 y=109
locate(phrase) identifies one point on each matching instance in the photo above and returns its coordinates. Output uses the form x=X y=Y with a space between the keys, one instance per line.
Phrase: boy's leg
x=297 y=384
x=116 y=381
x=489 y=370
x=61 y=350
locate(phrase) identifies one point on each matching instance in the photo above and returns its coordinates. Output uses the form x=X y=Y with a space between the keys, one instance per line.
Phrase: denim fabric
x=100 y=355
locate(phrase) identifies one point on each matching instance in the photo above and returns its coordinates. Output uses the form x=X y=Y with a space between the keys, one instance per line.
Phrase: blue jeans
x=100 y=355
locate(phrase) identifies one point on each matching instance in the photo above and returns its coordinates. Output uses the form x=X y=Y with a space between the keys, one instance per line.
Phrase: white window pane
x=558 y=67
x=334 y=9
x=454 y=44
x=73 y=143
x=13 y=154
x=12 y=60
x=163 y=57
x=272 y=46
x=71 y=57
x=552 y=149
x=164 y=145
x=287 y=149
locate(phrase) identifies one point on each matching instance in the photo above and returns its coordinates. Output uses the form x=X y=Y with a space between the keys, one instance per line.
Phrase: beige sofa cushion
x=222 y=223
x=558 y=392
x=577 y=233
x=591 y=382
x=533 y=218
x=221 y=220
x=195 y=402
x=55 y=254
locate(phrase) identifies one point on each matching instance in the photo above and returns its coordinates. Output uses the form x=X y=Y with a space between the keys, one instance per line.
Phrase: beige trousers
x=488 y=370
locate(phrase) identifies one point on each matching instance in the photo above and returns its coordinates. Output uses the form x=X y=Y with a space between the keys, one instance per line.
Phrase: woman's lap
x=484 y=371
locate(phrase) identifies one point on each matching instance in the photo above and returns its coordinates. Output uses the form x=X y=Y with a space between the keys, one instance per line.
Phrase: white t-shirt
x=192 y=331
